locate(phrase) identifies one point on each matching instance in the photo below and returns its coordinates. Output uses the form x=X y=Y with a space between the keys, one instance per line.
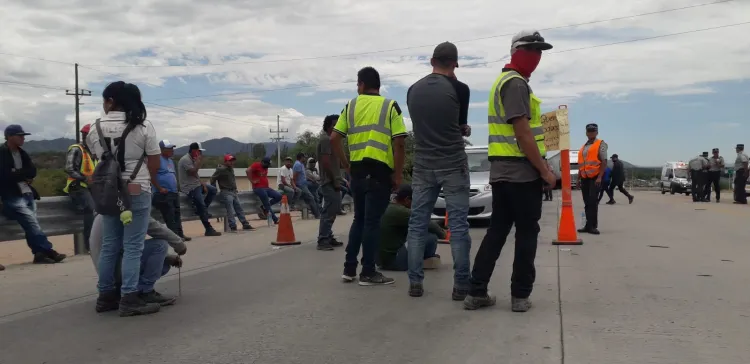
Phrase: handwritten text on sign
x=556 y=129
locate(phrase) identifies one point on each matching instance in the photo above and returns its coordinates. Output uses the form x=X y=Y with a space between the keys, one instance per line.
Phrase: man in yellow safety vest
x=518 y=172
x=79 y=165
x=375 y=131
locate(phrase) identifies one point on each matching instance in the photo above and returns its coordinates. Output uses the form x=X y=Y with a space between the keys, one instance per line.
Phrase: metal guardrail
x=57 y=216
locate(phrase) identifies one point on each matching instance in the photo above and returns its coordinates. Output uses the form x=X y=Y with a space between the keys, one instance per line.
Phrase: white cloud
x=273 y=32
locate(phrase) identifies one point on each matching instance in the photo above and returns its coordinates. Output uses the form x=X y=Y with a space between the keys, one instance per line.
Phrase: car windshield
x=478 y=162
x=680 y=173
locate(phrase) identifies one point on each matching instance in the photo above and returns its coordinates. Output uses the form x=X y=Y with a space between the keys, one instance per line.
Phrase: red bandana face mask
x=524 y=61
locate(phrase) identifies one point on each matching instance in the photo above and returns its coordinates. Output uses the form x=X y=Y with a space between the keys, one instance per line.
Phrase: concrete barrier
x=58 y=217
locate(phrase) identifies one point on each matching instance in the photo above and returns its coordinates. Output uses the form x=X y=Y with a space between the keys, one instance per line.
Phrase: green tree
x=307 y=143
x=50 y=182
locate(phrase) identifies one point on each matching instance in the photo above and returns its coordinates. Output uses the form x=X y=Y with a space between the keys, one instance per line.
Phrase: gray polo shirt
x=515 y=95
x=741 y=158
x=438 y=106
x=187 y=182
x=715 y=164
x=698 y=163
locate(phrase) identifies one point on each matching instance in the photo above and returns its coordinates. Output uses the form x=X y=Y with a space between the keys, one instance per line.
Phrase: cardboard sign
x=563 y=127
x=556 y=129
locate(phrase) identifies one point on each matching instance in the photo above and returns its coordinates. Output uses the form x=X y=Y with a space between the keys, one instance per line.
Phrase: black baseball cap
x=403 y=192
x=741 y=146
x=615 y=155
x=194 y=146
x=705 y=154
x=15 y=129
x=592 y=127
x=715 y=150
x=446 y=51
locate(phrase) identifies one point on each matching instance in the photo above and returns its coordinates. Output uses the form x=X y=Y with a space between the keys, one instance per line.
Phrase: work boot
x=247 y=227
x=630 y=199
x=416 y=289
x=335 y=243
x=132 y=304
x=108 y=301
x=593 y=231
x=324 y=245
x=477 y=302
x=212 y=232
x=158 y=298
x=459 y=294
x=374 y=279
x=520 y=304
x=43 y=258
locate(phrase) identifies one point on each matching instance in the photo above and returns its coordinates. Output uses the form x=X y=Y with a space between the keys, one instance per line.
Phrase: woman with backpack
x=123 y=141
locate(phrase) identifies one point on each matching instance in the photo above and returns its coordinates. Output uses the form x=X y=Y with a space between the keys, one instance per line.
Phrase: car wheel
x=687 y=193
x=663 y=191
x=672 y=190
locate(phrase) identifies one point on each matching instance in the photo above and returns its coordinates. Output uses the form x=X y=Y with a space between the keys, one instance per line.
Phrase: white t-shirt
x=287 y=174
x=140 y=139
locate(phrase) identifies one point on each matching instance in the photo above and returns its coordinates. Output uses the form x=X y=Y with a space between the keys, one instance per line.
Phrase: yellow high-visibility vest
x=87 y=167
x=370 y=122
x=502 y=137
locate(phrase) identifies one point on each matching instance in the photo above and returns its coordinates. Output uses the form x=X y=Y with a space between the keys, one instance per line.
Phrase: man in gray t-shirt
x=330 y=185
x=200 y=193
x=438 y=107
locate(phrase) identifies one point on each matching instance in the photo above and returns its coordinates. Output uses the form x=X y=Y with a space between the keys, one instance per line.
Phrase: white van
x=675 y=178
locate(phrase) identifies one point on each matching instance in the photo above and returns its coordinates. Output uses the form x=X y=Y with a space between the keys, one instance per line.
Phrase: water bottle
x=269 y=219
x=583 y=217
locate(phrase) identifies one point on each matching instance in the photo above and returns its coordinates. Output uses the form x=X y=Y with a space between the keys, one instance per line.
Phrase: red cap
x=229 y=157
x=86 y=128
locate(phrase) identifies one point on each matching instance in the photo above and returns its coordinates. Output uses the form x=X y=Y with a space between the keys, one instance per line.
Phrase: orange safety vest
x=588 y=159
x=87 y=167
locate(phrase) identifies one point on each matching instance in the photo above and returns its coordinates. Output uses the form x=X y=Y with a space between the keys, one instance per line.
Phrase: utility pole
x=78 y=94
x=278 y=140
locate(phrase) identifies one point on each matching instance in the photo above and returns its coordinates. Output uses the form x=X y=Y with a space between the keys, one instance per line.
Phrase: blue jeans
x=153 y=266
x=129 y=239
x=314 y=188
x=202 y=202
x=23 y=210
x=371 y=198
x=426 y=185
x=232 y=204
x=307 y=196
x=268 y=197
x=401 y=261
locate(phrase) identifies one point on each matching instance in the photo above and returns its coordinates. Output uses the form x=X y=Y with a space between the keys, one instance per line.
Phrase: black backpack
x=108 y=189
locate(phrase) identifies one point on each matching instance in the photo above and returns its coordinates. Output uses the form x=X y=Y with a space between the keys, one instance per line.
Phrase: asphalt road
x=666 y=282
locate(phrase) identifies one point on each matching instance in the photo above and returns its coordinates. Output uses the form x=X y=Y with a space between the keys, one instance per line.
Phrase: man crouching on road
x=155 y=263
x=394 y=225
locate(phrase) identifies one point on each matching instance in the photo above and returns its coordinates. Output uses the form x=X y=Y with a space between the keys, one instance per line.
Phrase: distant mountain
x=54 y=145
x=219 y=147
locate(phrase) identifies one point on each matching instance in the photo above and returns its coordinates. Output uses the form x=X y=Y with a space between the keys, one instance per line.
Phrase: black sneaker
x=213 y=232
x=473 y=303
x=156 y=297
x=459 y=294
x=132 y=304
x=374 y=279
x=630 y=199
x=335 y=242
x=416 y=289
x=57 y=257
x=248 y=227
x=43 y=258
x=611 y=202
x=108 y=301
x=584 y=229
x=324 y=245
x=349 y=276
x=593 y=231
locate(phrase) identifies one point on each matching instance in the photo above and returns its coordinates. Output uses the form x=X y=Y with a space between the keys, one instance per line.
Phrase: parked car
x=480 y=191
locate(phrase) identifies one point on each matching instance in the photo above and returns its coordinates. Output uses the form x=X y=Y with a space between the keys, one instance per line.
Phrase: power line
x=36 y=58
x=204 y=114
x=425 y=45
x=31 y=85
x=469 y=65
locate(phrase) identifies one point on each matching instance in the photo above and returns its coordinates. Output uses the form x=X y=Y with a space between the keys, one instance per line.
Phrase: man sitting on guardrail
x=300 y=182
x=17 y=172
x=257 y=173
x=155 y=263
x=287 y=184
x=224 y=176
x=190 y=184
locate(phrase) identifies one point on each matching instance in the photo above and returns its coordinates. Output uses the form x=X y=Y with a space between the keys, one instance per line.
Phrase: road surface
x=666 y=282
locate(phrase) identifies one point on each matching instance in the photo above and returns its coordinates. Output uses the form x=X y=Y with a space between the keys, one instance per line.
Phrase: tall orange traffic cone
x=285 y=232
x=447 y=239
x=566 y=229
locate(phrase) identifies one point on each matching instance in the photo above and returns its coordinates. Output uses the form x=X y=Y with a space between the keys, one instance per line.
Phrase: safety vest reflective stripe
x=588 y=159
x=87 y=167
x=380 y=127
x=537 y=131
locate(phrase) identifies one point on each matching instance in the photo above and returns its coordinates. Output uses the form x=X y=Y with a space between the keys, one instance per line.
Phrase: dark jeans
x=233 y=207
x=619 y=186
x=603 y=189
x=268 y=197
x=371 y=198
x=202 y=202
x=23 y=210
x=331 y=208
x=169 y=206
x=714 y=177
x=547 y=194
x=740 y=196
x=696 y=184
x=590 y=194
x=518 y=204
x=401 y=260
x=84 y=205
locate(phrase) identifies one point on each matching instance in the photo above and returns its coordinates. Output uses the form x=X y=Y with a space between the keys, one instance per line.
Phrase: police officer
x=697 y=165
x=706 y=182
x=715 y=167
x=79 y=166
x=592 y=163
x=518 y=172
x=375 y=131
x=740 y=179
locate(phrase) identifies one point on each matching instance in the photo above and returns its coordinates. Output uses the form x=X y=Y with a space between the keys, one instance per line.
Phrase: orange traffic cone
x=285 y=232
x=566 y=229
x=447 y=239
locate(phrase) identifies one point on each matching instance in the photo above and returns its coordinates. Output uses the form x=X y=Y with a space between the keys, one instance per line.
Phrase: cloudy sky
x=664 y=79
